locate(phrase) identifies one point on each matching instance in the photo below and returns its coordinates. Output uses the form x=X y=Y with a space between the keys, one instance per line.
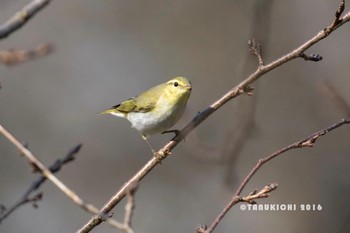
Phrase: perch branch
x=241 y=88
x=22 y=17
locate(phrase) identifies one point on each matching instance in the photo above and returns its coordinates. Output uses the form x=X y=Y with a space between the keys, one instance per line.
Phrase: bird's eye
x=176 y=84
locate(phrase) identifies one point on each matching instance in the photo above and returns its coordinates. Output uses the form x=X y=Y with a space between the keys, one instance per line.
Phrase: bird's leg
x=149 y=144
x=159 y=156
x=176 y=132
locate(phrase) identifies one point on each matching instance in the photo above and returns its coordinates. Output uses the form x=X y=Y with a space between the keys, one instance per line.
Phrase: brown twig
x=306 y=142
x=22 y=17
x=32 y=159
x=255 y=48
x=241 y=88
x=263 y=193
x=25 y=200
x=129 y=209
x=55 y=167
x=16 y=56
x=49 y=175
x=338 y=13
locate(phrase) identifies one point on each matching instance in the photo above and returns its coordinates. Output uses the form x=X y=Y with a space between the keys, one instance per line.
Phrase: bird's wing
x=145 y=102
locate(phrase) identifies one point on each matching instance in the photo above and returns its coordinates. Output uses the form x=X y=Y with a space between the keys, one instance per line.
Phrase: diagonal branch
x=306 y=142
x=55 y=167
x=22 y=17
x=241 y=88
x=45 y=171
x=50 y=176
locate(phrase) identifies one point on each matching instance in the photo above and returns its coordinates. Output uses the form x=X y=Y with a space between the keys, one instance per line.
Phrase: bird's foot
x=176 y=132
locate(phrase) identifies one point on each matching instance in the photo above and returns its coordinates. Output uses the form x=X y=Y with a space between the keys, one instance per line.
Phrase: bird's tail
x=108 y=111
x=114 y=111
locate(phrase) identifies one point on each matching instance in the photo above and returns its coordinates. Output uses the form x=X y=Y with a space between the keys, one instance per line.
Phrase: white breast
x=161 y=118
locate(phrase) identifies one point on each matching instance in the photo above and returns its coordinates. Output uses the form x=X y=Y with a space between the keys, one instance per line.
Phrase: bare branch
x=263 y=193
x=16 y=56
x=338 y=13
x=129 y=209
x=5 y=212
x=255 y=49
x=49 y=175
x=22 y=17
x=306 y=142
x=201 y=116
x=55 y=167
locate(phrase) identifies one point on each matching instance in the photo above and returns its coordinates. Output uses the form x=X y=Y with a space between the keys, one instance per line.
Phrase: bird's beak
x=188 y=87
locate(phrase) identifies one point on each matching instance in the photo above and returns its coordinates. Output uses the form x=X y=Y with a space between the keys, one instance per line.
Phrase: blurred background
x=107 y=51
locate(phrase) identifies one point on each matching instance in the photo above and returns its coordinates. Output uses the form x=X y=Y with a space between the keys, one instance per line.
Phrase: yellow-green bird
x=156 y=109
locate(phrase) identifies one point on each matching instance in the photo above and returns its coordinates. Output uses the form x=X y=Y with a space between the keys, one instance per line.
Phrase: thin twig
x=7 y=211
x=338 y=13
x=49 y=175
x=263 y=193
x=129 y=209
x=241 y=88
x=255 y=48
x=306 y=142
x=22 y=17
x=55 y=167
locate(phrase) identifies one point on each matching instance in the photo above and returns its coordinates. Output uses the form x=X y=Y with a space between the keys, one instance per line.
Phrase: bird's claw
x=176 y=132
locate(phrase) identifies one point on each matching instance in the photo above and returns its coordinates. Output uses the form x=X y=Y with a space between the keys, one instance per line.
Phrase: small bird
x=156 y=109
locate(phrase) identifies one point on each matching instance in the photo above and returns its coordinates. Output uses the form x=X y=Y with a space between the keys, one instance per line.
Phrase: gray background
x=108 y=51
